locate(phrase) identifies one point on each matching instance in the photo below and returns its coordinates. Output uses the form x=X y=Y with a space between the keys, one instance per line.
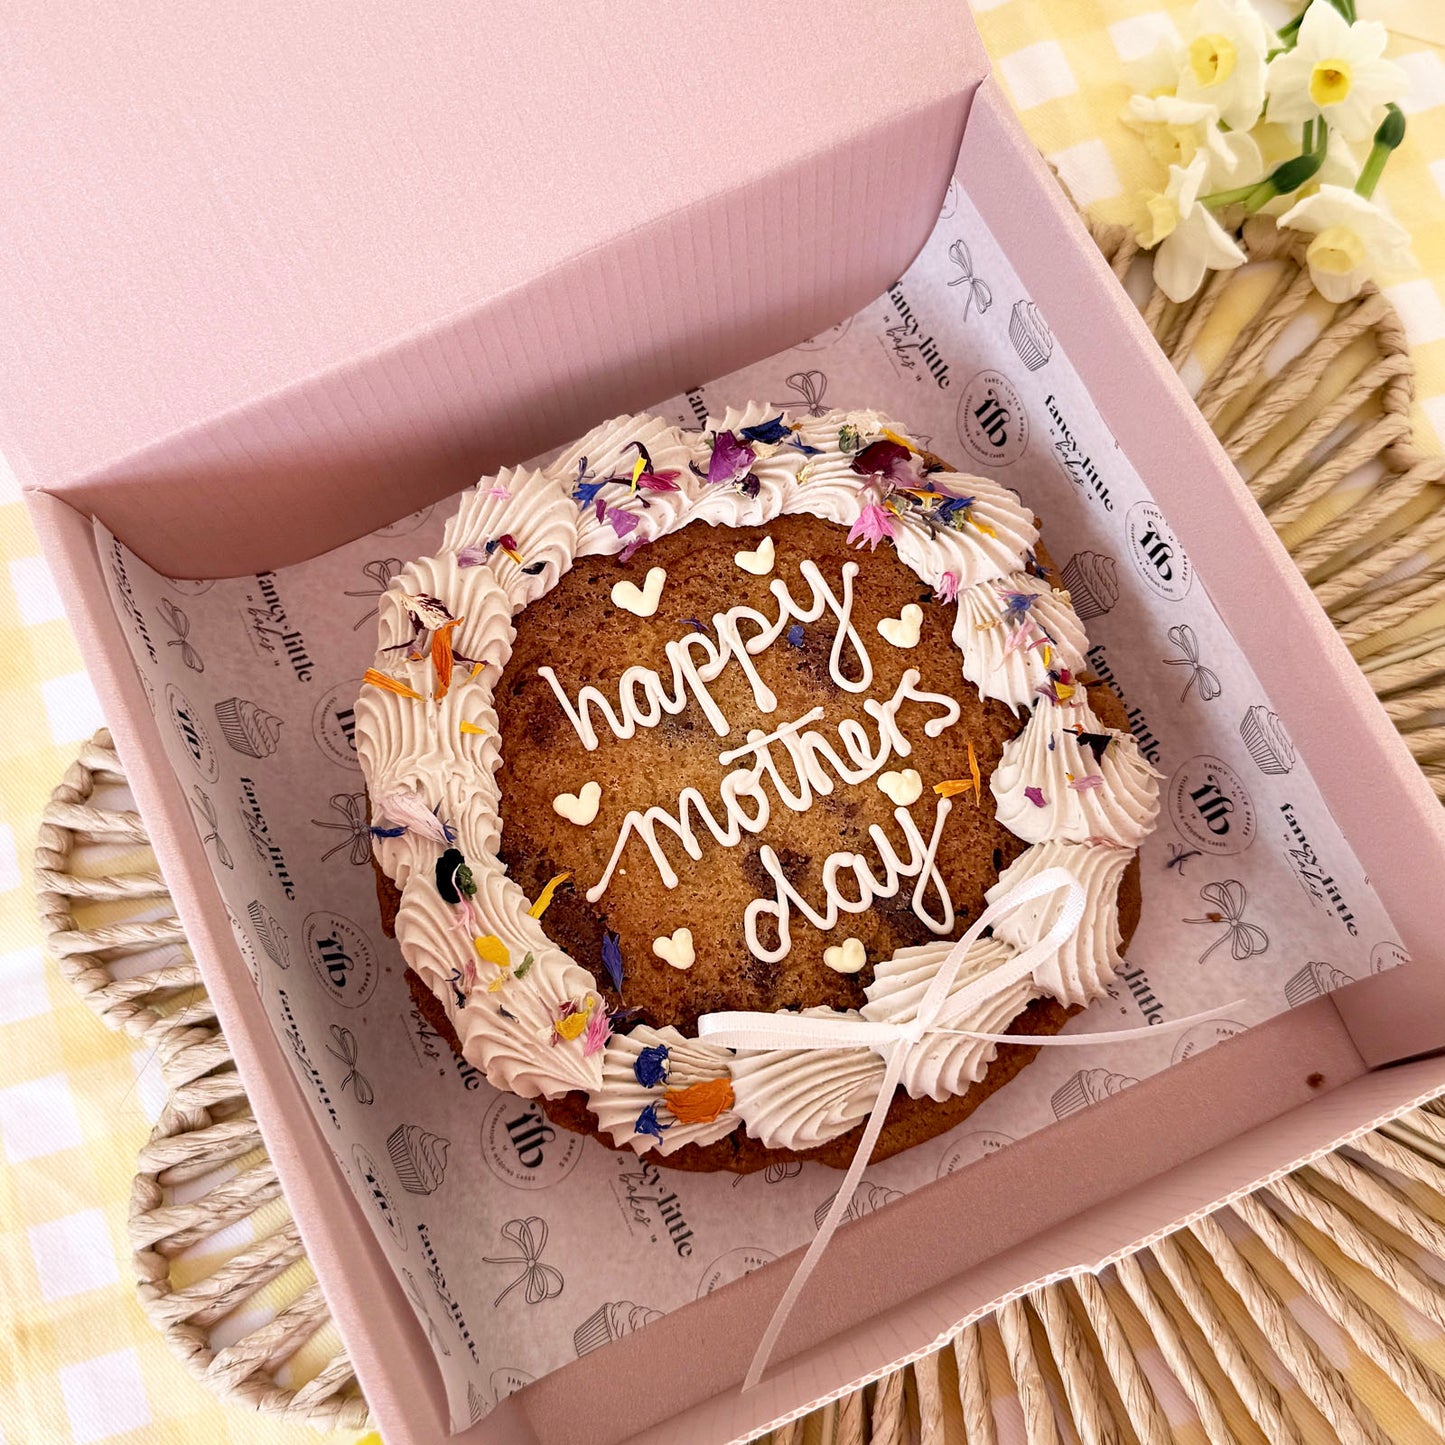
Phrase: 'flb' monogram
x=346 y=720
x=335 y=959
x=529 y=1132
x=192 y=739
x=993 y=418
x=1159 y=552
x=1213 y=805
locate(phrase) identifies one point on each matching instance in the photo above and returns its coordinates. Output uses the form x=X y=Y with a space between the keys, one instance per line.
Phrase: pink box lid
x=208 y=206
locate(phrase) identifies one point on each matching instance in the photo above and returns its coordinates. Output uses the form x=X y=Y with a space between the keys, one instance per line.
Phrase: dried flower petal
x=405 y=806
x=873 y=526
x=650 y=1066
x=612 y=958
x=885 y=459
x=545 y=896
x=374 y=678
x=730 y=459
x=700 y=1103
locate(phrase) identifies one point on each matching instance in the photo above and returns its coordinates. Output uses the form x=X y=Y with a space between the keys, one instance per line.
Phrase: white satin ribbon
x=752 y=1031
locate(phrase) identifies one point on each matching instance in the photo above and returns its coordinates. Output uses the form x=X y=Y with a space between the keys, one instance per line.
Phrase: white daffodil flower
x=1224 y=60
x=1176 y=131
x=1353 y=238
x=1157 y=72
x=1189 y=240
x=1336 y=70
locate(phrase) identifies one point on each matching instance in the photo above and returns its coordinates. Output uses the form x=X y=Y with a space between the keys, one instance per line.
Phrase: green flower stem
x=1230 y=198
x=1281 y=181
x=1389 y=135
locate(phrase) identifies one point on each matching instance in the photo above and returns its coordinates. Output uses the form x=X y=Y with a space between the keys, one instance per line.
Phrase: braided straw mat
x=1313 y=1310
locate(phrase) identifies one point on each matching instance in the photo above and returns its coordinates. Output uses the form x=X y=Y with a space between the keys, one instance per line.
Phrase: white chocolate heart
x=642 y=601
x=579 y=808
x=848 y=957
x=902 y=631
x=677 y=950
x=759 y=563
x=903 y=788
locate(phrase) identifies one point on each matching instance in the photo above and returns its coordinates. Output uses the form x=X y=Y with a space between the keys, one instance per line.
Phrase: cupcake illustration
x=1091 y=583
x=1266 y=739
x=865 y=1200
x=1314 y=980
x=420 y=1158
x=610 y=1322
x=248 y=728
x=1088 y=1086
x=269 y=933
x=1030 y=335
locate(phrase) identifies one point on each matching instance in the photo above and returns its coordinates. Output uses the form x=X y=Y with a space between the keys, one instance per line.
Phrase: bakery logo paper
x=248 y=728
x=409 y=523
x=1226 y=905
x=333 y=723
x=439 y=1284
x=423 y=1312
x=348 y=818
x=610 y=1322
x=269 y=933
x=809 y=387
x=1155 y=551
x=732 y=1265
x=1310 y=871
x=341 y=956
x=538 y=1281
x=1387 y=955
x=344 y=1048
x=179 y=626
x=195 y=740
x=912 y=353
x=126 y=596
x=653 y=1208
x=1210 y=806
x=206 y=825
x=378 y=573
x=1313 y=981
x=1030 y=335
x=1088 y=1086
x=419 y=1158
x=266 y=848
x=976 y=292
x=992 y=422
x=1204 y=1036
x=245 y=945
x=1077 y=463
x=1200 y=681
x=292 y=1033
x=1149 y=745
x=523 y=1148
x=271 y=631
x=1136 y=980
x=1268 y=743
x=969 y=1148
x=824 y=339
x=375 y=1188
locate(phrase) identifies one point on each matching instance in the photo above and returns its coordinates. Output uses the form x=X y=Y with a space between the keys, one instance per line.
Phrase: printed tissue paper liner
x=521 y=1246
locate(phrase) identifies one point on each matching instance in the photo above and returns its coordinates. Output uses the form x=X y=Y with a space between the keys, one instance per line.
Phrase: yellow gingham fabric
x=78 y=1360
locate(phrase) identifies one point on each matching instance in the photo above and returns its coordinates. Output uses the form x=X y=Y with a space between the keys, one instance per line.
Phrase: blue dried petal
x=769 y=432
x=585 y=492
x=650 y=1066
x=649 y=1123
x=612 y=959
x=795 y=635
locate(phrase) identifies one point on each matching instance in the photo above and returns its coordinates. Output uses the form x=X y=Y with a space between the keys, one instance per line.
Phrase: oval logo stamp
x=1156 y=553
x=992 y=422
x=195 y=740
x=341 y=956
x=1211 y=807
x=523 y=1148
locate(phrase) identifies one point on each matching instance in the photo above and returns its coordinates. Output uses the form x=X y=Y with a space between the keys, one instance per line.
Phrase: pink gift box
x=279 y=278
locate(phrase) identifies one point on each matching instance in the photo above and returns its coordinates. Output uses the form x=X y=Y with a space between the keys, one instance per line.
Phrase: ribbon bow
x=896 y=1041
x=978 y=289
x=381 y=571
x=1229 y=899
x=812 y=386
x=348 y=1051
x=180 y=624
x=542 y=1281
x=352 y=807
x=1184 y=639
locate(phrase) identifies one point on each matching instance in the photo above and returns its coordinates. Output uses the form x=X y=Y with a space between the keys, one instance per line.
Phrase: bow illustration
x=180 y=624
x=207 y=809
x=812 y=386
x=1207 y=679
x=978 y=289
x=542 y=1281
x=1229 y=900
x=352 y=807
x=381 y=571
x=348 y=1051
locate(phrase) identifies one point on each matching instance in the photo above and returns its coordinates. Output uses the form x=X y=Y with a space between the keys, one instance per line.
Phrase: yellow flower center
x=1337 y=250
x=1163 y=218
x=1330 y=82
x=1212 y=59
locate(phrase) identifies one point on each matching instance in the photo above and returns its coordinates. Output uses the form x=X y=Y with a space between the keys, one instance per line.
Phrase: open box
x=390 y=377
